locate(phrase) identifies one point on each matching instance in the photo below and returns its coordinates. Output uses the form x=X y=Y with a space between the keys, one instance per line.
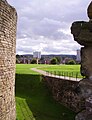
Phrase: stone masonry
x=82 y=33
x=65 y=92
x=8 y=20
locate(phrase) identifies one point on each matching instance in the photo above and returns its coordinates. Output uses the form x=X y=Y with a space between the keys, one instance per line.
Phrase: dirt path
x=56 y=76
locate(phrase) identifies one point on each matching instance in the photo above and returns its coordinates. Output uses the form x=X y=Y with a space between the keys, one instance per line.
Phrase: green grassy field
x=63 y=70
x=75 y=68
x=33 y=99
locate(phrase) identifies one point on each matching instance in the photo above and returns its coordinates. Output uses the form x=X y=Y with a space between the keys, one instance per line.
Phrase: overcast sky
x=44 y=25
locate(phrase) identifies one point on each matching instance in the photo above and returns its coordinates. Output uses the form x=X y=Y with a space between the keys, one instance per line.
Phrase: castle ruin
x=82 y=33
x=8 y=20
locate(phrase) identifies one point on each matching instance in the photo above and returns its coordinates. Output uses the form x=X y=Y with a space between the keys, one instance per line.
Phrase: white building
x=37 y=55
x=78 y=57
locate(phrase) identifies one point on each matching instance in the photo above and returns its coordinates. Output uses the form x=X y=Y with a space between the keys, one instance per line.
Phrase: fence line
x=65 y=75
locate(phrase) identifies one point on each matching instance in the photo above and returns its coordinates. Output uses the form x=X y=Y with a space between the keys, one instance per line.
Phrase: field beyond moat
x=33 y=99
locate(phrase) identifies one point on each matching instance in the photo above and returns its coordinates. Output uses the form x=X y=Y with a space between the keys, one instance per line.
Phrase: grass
x=64 y=70
x=33 y=99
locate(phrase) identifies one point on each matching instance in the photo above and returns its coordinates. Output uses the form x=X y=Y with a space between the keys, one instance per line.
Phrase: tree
x=53 y=61
x=17 y=56
x=71 y=62
x=33 y=61
x=17 y=60
x=58 y=59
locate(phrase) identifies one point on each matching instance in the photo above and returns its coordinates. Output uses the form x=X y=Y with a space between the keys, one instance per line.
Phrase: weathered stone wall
x=66 y=92
x=82 y=33
x=8 y=19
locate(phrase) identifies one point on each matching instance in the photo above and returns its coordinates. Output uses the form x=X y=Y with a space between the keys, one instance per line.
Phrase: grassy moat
x=34 y=100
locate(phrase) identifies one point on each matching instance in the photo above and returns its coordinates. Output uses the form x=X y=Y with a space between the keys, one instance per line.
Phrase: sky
x=44 y=25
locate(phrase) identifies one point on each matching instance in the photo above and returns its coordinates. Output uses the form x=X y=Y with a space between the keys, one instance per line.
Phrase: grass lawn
x=63 y=70
x=33 y=99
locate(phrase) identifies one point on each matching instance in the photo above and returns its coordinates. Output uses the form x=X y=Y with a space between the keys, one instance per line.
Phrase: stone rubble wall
x=65 y=92
x=8 y=20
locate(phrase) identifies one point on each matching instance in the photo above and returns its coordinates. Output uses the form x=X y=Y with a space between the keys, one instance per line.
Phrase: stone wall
x=8 y=19
x=82 y=33
x=65 y=92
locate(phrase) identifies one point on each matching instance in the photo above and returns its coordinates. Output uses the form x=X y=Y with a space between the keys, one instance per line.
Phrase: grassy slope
x=33 y=99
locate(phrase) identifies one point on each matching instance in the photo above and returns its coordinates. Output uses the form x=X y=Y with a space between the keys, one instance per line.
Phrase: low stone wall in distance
x=65 y=92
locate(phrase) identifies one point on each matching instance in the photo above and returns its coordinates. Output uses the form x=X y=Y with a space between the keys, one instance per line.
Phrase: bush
x=58 y=59
x=71 y=62
x=33 y=61
x=53 y=61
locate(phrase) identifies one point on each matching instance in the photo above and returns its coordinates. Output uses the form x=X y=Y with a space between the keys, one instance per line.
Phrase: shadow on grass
x=38 y=99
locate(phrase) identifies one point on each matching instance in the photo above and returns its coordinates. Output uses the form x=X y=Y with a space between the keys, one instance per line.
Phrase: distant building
x=78 y=57
x=37 y=55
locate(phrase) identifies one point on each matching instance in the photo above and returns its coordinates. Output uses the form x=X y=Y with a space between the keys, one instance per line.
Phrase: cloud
x=45 y=25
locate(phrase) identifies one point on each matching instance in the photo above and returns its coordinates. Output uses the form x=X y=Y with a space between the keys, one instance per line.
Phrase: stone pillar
x=82 y=33
x=8 y=19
